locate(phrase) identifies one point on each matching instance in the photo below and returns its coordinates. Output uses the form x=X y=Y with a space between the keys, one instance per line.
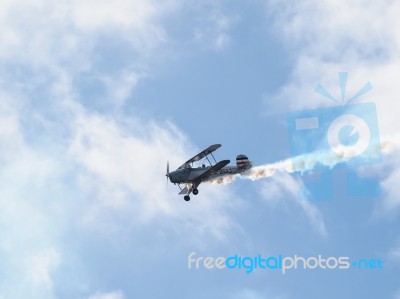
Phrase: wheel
x=187 y=197
x=195 y=191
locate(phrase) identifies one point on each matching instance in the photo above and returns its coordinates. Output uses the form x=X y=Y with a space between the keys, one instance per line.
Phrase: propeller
x=167 y=174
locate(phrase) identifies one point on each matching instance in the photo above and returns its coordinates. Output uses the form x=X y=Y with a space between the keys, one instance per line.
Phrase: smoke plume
x=307 y=162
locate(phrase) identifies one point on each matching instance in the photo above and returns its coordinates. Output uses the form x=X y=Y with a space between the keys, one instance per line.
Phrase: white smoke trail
x=307 y=162
x=223 y=180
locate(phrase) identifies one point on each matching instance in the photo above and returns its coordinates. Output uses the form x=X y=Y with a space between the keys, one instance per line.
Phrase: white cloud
x=249 y=294
x=10 y=133
x=130 y=157
x=121 y=87
x=283 y=189
x=30 y=223
x=110 y=295
x=41 y=265
x=213 y=31
x=49 y=140
x=332 y=36
x=95 y=15
x=55 y=44
x=349 y=29
x=252 y=294
x=77 y=23
x=395 y=254
x=121 y=164
x=45 y=44
x=391 y=194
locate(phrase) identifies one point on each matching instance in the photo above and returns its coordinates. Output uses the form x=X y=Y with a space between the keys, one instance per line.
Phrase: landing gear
x=195 y=192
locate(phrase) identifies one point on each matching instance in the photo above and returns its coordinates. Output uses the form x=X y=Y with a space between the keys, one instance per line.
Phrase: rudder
x=242 y=161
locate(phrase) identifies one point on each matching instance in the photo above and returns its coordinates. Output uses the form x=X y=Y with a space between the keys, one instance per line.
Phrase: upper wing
x=201 y=155
x=216 y=167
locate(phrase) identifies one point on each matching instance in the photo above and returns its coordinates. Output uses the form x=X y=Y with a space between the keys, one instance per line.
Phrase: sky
x=96 y=97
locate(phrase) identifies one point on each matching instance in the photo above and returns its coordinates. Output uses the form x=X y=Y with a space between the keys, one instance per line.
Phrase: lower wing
x=204 y=176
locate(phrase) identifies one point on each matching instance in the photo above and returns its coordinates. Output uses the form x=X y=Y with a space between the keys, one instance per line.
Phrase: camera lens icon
x=348 y=135
x=347 y=132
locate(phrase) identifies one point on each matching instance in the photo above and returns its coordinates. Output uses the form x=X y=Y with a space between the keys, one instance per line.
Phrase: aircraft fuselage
x=188 y=175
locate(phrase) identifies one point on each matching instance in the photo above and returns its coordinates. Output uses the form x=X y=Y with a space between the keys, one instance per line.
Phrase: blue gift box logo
x=347 y=134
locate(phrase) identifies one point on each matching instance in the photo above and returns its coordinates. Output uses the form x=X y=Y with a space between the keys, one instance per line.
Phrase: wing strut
x=209 y=159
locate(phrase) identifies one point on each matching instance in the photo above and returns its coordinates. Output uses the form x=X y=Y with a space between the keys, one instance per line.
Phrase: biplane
x=192 y=177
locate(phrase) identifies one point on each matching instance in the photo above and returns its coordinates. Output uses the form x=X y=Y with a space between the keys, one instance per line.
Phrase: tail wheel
x=195 y=191
x=186 y=197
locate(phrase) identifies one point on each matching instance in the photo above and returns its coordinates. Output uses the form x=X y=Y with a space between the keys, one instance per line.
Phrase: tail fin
x=242 y=161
